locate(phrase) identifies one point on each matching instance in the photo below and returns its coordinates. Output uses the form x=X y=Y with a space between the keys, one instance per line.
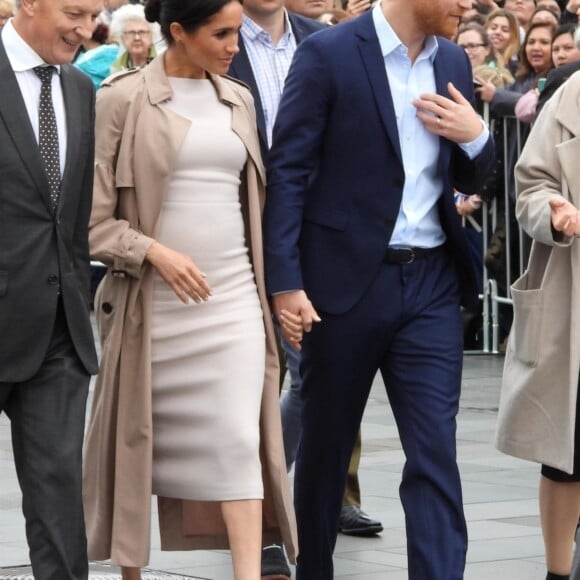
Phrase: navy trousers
x=407 y=326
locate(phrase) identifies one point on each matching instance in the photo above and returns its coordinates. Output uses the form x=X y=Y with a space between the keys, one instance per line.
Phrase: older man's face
x=439 y=17
x=55 y=29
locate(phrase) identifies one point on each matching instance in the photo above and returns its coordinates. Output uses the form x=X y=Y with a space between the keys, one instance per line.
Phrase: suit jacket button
x=52 y=280
x=399 y=182
x=107 y=307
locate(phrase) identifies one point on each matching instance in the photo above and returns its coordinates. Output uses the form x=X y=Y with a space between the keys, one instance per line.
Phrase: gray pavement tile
x=516 y=569
x=97 y=572
x=500 y=499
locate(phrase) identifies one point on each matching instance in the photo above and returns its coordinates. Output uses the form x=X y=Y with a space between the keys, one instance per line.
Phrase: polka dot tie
x=48 y=134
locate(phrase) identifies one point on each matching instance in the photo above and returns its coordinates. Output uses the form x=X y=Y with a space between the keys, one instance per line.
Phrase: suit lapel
x=72 y=101
x=15 y=116
x=441 y=79
x=242 y=69
x=374 y=64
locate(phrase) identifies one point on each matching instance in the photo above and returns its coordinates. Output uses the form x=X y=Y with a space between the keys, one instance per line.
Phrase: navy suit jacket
x=241 y=69
x=335 y=171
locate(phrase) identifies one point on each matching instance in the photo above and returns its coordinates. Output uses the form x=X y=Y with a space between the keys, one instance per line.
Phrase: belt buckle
x=411 y=253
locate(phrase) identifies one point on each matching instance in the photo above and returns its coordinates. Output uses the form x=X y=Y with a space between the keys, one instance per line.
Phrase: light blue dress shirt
x=270 y=63
x=418 y=220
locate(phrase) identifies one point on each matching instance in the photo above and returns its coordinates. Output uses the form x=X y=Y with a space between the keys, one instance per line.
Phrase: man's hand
x=357 y=7
x=573 y=6
x=295 y=313
x=466 y=206
x=565 y=218
x=455 y=119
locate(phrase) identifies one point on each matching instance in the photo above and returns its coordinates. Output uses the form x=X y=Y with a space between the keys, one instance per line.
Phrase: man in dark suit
x=46 y=344
x=267 y=43
x=365 y=252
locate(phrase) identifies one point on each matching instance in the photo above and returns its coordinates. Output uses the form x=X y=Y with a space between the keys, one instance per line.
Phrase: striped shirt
x=270 y=64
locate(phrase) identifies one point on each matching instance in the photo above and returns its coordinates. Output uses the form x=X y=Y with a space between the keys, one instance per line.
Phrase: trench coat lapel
x=240 y=125
x=568 y=115
x=15 y=116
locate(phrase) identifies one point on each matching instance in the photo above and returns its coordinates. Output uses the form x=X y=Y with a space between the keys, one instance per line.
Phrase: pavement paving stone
x=500 y=496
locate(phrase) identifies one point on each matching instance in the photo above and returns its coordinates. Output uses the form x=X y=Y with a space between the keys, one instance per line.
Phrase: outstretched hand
x=455 y=118
x=565 y=218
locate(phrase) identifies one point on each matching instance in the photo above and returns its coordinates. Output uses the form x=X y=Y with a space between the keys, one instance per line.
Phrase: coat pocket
x=526 y=333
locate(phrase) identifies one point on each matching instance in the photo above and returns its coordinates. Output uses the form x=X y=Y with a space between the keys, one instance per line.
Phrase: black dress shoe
x=274 y=564
x=354 y=522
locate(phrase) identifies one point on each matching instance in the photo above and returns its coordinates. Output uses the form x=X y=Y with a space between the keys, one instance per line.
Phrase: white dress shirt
x=22 y=60
x=418 y=220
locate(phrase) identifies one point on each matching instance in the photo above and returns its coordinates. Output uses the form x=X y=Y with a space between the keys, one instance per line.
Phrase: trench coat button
x=107 y=307
x=52 y=280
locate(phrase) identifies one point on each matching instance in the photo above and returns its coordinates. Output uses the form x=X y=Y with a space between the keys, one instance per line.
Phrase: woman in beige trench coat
x=137 y=142
x=539 y=399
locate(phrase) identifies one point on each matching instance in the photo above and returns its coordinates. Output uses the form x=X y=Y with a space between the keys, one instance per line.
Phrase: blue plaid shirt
x=270 y=64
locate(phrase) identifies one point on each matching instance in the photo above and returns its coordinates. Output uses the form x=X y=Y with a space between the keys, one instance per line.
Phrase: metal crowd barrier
x=491 y=295
x=515 y=257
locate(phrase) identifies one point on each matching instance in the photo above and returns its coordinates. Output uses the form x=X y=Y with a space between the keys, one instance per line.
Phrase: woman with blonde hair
x=504 y=34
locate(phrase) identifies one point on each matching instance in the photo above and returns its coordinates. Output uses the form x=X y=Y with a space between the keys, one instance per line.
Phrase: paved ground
x=500 y=500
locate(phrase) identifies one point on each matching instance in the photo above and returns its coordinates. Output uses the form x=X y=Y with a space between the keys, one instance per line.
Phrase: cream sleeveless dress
x=208 y=359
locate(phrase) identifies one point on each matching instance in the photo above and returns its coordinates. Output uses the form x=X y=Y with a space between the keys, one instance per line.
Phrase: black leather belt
x=408 y=255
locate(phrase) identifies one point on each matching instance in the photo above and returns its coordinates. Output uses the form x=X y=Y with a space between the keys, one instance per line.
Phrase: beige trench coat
x=137 y=141
x=537 y=412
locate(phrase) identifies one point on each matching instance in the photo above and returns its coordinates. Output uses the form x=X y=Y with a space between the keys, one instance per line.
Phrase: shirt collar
x=20 y=55
x=390 y=42
x=252 y=30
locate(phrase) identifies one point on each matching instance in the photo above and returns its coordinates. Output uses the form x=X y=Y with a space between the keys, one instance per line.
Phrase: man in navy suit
x=365 y=252
x=267 y=42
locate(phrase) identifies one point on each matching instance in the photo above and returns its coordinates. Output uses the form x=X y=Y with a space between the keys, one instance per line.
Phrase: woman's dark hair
x=563 y=29
x=525 y=68
x=191 y=14
x=101 y=33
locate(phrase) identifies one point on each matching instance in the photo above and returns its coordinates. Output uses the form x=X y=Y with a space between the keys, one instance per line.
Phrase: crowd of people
x=272 y=186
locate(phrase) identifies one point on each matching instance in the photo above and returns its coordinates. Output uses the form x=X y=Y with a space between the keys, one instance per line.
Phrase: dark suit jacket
x=335 y=172
x=41 y=252
x=241 y=69
x=556 y=78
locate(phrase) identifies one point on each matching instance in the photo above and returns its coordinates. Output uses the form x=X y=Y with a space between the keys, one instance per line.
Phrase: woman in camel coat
x=137 y=142
x=538 y=417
